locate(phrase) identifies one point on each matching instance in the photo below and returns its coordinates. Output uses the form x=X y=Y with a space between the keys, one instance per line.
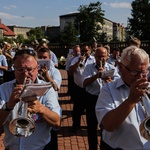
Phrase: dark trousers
x=91 y=121
x=1 y=80
x=79 y=105
x=71 y=86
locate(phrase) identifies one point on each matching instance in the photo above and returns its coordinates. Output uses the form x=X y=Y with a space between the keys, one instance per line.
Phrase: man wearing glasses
x=46 y=108
x=120 y=108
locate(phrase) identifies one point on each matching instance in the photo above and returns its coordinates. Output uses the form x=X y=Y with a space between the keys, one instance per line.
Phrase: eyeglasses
x=136 y=72
x=23 y=69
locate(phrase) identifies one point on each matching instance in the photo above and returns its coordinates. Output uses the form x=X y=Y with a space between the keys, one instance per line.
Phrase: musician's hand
x=35 y=106
x=107 y=79
x=14 y=98
x=81 y=58
x=44 y=71
x=100 y=70
x=137 y=90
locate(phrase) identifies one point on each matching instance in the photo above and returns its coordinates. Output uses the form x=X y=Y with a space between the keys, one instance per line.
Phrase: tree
x=35 y=33
x=89 y=20
x=20 y=38
x=69 y=35
x=139 y=24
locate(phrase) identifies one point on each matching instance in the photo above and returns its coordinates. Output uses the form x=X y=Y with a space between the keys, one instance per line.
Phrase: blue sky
x=33 y=13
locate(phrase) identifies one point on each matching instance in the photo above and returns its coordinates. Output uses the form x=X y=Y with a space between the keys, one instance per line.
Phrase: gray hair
x=129 y=54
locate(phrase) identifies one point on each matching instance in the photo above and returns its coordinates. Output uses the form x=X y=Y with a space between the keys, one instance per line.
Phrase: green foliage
x=35 y=33
x=89 y=20
x=103 y=37
x=139 y=24
x=20 y=39
x=5 y=39
x=69 y=34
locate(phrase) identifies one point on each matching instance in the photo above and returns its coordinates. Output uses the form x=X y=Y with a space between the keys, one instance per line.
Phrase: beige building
x=108 y=27
x=118 y=31
x=20 y=30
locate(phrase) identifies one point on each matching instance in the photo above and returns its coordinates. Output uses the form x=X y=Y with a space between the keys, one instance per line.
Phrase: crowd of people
x=107 y=84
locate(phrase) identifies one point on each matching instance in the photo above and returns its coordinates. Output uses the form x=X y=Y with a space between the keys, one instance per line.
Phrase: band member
x=94 y=77
x=46 y=107
x=77 y=67
x=119 y=108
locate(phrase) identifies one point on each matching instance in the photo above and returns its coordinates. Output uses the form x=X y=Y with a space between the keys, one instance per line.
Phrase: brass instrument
x=100 y=64
x=62 y=61
x=23 y=124
x=145 y=125
x=82 y=62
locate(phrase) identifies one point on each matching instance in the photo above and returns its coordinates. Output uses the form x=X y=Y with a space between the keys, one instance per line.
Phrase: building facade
x=5 y=31
x=119 y=32
x=18 y=30
x=109 y=27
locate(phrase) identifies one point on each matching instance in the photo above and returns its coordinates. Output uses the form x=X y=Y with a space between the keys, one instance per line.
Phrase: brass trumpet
x=145 y=125
x=62 y=61
x=82 y=62
x=23 y=124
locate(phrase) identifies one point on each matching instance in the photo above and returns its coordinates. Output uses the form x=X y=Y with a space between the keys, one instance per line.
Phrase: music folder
x=35 y=89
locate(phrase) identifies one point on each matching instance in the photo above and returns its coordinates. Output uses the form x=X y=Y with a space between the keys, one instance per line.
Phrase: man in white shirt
x=119 y=108
x=93 y=81
x=45 y=109
x=77 y=67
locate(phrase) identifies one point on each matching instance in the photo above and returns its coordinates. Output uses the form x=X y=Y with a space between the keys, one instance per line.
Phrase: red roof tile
x=6 y=30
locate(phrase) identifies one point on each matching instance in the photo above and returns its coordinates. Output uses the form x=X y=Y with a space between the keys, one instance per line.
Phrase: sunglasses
x=26 y=51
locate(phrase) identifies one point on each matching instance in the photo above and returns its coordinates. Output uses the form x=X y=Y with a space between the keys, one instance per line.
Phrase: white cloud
x=10 y=7
x=14 y=17
x=105 y=3
x=121 y=5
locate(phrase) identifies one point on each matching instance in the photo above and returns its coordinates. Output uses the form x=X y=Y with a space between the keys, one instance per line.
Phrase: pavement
x=66 y=139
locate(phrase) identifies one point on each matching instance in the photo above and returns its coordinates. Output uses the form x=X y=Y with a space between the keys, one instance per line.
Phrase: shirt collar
x=120 y=83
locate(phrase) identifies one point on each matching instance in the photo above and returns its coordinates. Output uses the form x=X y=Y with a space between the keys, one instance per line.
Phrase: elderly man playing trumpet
x=120 y=108
x=46 y=110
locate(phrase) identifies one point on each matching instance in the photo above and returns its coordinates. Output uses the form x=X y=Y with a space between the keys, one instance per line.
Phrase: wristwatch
x=6 y=108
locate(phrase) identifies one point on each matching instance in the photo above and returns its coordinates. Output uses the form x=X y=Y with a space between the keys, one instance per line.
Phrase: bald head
x=101 y=54
x=101 y=50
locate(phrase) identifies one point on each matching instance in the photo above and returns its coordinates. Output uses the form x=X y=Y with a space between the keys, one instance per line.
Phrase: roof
x=6 y=30
x=70 y=15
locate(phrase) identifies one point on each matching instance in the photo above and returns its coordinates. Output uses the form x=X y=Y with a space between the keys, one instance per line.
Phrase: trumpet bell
x=145 y=128
x=62 y=61
x=22 y=127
